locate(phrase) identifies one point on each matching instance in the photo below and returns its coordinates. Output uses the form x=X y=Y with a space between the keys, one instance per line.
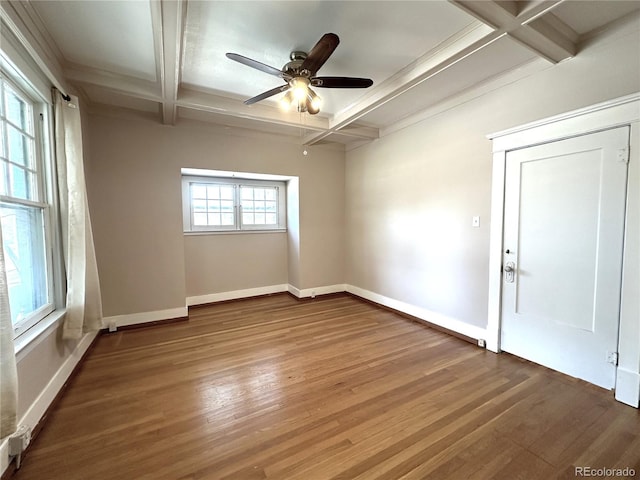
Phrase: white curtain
x=8 y=374
x=84 y=306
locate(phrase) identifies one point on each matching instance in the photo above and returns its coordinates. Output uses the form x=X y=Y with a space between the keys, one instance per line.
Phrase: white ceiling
x=167 y=57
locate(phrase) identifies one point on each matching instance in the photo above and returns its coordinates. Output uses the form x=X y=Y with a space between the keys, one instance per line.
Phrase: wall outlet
x=112 y=327
x=482 y=343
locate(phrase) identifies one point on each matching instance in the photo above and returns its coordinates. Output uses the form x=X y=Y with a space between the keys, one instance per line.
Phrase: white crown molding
x=489 y=85
x=124 y=84
x=27 y=27
x=455 y=49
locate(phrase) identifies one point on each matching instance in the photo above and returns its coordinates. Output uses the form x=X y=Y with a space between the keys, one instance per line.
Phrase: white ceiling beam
x=173 y=14
x=469 y=40
x=131 y=86
x=550 y=39
x=359 y=131
x=260 y=112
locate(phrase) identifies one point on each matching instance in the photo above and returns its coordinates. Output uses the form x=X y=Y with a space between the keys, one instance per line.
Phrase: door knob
x=509 y=272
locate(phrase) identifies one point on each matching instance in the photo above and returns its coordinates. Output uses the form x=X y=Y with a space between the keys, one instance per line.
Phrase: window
x=24 y=208
x=217 y=204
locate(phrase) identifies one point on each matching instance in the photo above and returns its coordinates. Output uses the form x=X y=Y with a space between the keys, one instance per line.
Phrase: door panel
x=564 y=226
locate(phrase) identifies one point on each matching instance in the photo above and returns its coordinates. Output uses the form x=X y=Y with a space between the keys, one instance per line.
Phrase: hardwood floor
x=333 y=388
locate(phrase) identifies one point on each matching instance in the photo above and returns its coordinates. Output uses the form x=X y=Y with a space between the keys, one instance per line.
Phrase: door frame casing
x=624 y=111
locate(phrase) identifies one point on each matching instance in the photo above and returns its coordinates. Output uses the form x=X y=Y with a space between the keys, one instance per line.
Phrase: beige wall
x=212 y=269
x=411 y=195
x=145 y=262
x=427 y=181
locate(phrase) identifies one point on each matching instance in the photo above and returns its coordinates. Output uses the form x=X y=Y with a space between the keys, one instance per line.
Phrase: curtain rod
x=66 y=97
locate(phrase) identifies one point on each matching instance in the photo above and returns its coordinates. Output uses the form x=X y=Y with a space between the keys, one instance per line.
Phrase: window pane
x=213 y=206
x=24 y=252
x=20 y=147
x=226 y=206
x=4 y=185
x=270 y=194
x=20 y=183
x=198 y=191
x=214 y=219
x=3 y=153
x=18 y=112
x=199 y=205
x=226 y=193
x=213 y=191
x=246 y=193
x=200 y=219
x=218 y=204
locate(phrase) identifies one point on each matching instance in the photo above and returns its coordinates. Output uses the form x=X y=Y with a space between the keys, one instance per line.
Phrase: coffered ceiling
x=167 y=57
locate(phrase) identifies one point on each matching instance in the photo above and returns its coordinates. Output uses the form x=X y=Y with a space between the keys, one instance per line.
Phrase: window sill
x=30 y=339
x=235 y=232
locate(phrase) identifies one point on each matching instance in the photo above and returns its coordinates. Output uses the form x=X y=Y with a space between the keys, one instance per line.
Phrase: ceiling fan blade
x=258 y=66
x=267 y=94
x=320 y=53
x=341 y=82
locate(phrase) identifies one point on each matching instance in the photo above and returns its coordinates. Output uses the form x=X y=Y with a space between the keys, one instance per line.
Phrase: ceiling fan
x=300 y=75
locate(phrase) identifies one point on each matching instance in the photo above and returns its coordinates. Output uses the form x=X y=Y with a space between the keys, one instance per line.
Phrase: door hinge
x=612 y=358
x=623 y=155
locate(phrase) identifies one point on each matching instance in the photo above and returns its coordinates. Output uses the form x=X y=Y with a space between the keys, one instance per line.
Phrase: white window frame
x=237 y=183
x=44 y=188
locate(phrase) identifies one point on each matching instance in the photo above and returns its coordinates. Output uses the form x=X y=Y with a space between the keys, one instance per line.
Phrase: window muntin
x=259 y=206
x=19 y=177
x=24 y=209
x=213 y=204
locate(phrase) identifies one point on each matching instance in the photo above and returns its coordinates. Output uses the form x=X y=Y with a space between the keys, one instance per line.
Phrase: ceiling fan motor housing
x=300 y=75
x=293 y=67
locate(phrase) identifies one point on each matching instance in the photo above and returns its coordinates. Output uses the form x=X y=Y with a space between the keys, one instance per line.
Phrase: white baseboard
x=296 y=292
x=144 y=317
x=428 y=316
x=313 y=292
x=628 y=387
x=48 y=394
x=236 y=294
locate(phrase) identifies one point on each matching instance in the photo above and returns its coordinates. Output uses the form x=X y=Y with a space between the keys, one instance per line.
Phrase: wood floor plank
x=334 y=388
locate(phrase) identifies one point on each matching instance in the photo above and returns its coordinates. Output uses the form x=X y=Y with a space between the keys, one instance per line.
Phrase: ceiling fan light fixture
x=300 y=73
x=314 y=102
x=300 y=88
x=286 y=102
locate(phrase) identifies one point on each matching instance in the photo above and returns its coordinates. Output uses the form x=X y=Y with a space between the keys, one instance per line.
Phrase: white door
x=562 y=253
